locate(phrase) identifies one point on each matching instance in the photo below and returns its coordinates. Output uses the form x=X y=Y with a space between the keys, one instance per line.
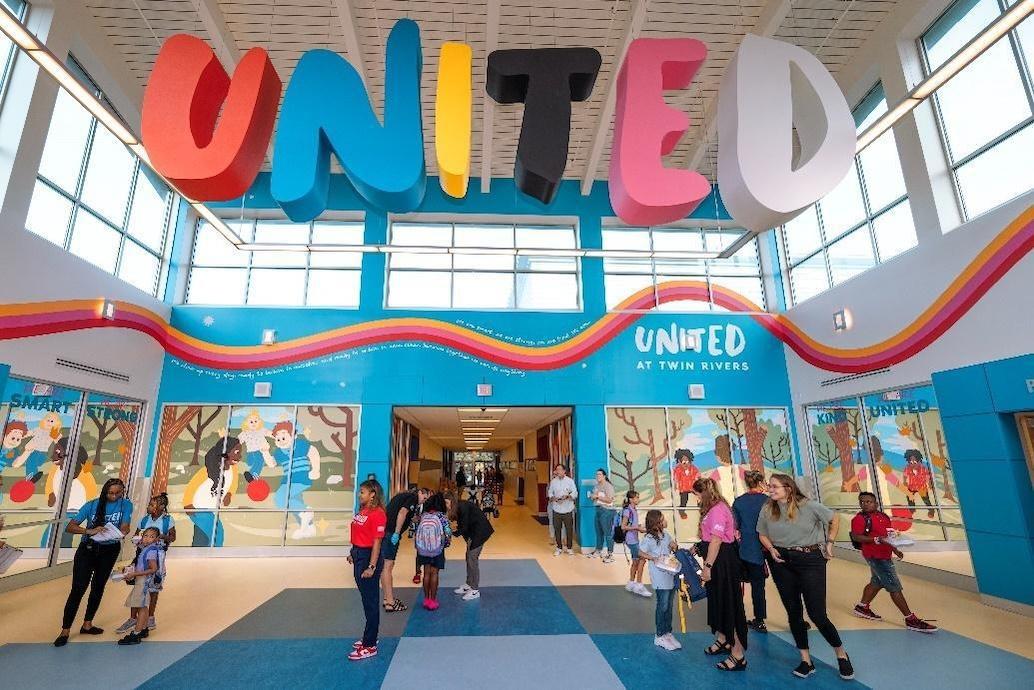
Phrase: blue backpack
x=430 y=536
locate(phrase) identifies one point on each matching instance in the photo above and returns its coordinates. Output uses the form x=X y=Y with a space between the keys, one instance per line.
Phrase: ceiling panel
x=832 y=29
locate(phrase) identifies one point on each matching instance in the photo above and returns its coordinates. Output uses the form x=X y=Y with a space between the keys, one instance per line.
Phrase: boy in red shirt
x=685 y=474
x=869 y=528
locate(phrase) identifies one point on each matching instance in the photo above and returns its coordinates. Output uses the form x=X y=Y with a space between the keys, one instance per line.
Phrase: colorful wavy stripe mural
x=1011 y=245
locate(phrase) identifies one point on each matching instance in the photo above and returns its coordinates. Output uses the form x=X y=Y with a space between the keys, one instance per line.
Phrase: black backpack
x=868 y=528
x=619 y=534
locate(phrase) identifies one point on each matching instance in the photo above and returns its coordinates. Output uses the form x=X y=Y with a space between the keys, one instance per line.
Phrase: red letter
x=181 y=105
x=642 y=190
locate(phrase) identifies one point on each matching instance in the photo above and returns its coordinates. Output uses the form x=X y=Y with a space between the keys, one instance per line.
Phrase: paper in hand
x=108 y=533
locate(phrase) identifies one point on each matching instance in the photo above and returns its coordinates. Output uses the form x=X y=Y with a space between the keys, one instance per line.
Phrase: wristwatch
x=708 y=565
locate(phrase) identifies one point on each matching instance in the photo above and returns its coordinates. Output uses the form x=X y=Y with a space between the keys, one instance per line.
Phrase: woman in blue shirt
x=746 y=508
x=94 y=559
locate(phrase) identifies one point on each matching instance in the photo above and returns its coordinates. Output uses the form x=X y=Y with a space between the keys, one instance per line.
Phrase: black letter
x=546 y=80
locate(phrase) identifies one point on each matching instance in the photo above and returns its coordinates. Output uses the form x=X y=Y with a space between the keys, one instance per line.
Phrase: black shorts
x=433 y=561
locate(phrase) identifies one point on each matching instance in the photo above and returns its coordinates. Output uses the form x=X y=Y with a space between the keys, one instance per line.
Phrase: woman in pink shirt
x=722 y=576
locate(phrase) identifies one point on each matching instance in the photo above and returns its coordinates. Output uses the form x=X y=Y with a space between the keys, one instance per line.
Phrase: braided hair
x=102 y=500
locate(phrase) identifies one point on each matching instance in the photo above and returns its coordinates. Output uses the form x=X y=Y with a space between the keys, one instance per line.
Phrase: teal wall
x=978 y=406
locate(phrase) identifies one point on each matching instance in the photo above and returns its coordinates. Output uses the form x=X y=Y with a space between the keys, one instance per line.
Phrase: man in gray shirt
x=561 y=494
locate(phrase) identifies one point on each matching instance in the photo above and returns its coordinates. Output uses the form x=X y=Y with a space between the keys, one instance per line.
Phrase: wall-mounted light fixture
x=696 y=391
x=268 y=336
x=842 y=320
x=263 y=389
x=108 y=310
x=484 y=390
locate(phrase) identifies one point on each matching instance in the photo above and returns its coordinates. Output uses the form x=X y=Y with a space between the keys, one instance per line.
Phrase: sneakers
x=592 y=554
x=472 y=595
x=127 y=626
x=152 y=623
x=630 y=587
x=917 y=624
x=866 y=613
x=362 y=653
x=556 y=552
x=608 y=558
x=672 y=642
x=462 y=589
x=641 y=590
x=846 y=668
x=569 y=552
x=663 y=642
x=130 y=639
x=757 y=625
x=804 y=669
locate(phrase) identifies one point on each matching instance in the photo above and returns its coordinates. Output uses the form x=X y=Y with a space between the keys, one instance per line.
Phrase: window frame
x=708 y=270
x=516 y=272
x=249 y=266
x=1026 y=72
x=12 y=51
x=871 y=216
x=75 y=198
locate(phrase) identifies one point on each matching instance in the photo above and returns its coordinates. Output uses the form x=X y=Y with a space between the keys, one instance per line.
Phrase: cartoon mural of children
x=37 y=449
x=14 y=434
x=217 y=480
x=918 y=480
x=255 y=438
x=300 y=463
x=684 y=473
x=83 y=489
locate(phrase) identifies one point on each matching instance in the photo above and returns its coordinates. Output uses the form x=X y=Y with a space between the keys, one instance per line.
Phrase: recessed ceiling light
x=488 y=410
x=481 y=420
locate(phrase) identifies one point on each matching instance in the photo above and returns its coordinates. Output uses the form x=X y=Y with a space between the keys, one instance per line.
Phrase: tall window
x=7 y=49
x=222 y=274
x=475 y=266
x=94 y=198
x=628 y=274
x=986 y=112
x=865 y=220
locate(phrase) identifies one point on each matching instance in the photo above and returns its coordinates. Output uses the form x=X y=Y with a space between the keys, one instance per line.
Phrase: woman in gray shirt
x=602 y=496
x=797 y=535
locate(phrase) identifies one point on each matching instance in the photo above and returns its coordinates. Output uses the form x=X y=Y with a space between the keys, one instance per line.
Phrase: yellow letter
x=452 y=107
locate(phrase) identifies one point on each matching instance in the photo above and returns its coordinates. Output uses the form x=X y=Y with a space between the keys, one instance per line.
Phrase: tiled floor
x=542 y=622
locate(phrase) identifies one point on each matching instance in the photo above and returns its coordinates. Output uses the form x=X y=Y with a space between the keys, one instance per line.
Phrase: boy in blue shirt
x=143 y=576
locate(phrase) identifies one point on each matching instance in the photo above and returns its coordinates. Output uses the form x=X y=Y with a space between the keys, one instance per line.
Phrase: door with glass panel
x=257 y=475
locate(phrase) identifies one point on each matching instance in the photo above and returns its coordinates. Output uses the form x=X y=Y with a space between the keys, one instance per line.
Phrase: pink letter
x=642 y=190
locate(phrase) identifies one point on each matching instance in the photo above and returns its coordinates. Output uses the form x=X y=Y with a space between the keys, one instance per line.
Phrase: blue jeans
x=605 y=529
x=665 y=598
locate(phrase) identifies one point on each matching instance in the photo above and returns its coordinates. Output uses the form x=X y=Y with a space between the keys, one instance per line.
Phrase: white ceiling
x=833 y=29
x=443 y=425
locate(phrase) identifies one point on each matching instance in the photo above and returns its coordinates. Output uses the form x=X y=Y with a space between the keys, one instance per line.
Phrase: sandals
x=718 y=648
x=395 y=606
x=737 y=664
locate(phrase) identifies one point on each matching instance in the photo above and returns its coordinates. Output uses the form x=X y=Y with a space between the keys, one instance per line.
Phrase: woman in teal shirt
x=94 y=560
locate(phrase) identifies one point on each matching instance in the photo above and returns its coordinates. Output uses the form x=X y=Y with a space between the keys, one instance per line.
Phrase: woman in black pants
x=798 y=536
x=94 y=559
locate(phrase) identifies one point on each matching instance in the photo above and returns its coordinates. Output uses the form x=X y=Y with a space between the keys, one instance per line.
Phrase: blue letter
x=326 y=109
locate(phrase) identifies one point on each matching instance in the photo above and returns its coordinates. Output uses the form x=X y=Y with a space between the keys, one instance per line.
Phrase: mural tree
x=196 y=428
x=127 y=431
x=825 y=448
x=103 y=426
x=340 y=429
x=722 y=442
x=775 y=450
x=175 y=419
x=842 y=437
x=655 y=449
x=624 y=468
x=749 y=437
x=941 y=460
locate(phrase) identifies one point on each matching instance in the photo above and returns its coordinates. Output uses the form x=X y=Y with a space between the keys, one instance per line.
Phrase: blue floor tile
x=496 y=572
x=500 y=663
x=499 y=611
x=900 y=658
x=770 y=660
x=44 y=666
x=259 y=664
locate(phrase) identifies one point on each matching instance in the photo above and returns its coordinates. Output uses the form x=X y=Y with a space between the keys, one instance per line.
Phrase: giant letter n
x=642 y=190
x=181 y=105
x=326 y=109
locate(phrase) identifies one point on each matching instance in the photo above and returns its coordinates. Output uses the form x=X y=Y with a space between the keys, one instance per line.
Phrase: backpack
x=430 y=536
x=868 y=528
x=619 y=534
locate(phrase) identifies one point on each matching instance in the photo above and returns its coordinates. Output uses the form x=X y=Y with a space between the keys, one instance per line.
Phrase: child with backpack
x=657 y=545
x=433 y=536
x=157 y=516
x=627 y=533
x=144 y=576
x=869 y=532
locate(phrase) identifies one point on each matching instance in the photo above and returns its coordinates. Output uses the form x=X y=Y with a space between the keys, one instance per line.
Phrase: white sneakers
x=608 y=558
x=463 y=589
x=306 y=529
x=556 y=552
x=631 y=587
x=127 y=626
x=637 y=588
x=569 y=552
x=472 y=595
x=592 y=554
x=151 y=623
x=667 y=642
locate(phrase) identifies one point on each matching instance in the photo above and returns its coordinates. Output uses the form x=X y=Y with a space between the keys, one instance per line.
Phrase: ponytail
x=628 y=499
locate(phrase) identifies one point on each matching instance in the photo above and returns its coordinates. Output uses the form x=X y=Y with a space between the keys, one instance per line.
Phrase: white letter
x=735 y=341
x=695 y=339
x=770 y=89
x=712 y=341
x=668 y=340
x=641 y=343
